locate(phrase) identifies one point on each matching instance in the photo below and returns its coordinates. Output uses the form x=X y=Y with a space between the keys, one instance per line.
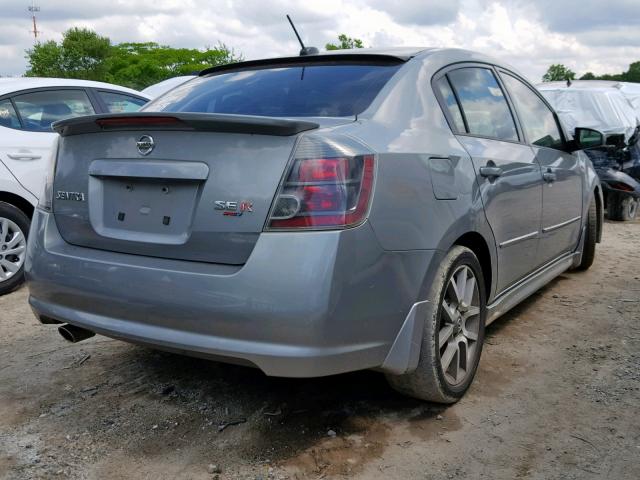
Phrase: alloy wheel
x=459 y=326
x=13 y=246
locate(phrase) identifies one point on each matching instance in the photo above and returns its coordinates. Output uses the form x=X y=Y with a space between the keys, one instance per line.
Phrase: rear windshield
x=293 y=91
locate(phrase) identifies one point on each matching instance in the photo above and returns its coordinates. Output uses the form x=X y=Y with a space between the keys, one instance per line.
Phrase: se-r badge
x=233 y=209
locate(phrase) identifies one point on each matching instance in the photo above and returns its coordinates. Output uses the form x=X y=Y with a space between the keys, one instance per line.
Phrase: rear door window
x=537 y=120
x=334 y=90
x=483 y=103
x=40 y=109
x=120 y=102
x=8 y=116
x=451 y=103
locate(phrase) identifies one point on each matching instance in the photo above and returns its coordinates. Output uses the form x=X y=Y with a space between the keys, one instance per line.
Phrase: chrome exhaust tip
x=74 y=334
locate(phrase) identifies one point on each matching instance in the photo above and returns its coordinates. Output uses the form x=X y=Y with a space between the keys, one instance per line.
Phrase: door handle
x=490 y=171
x=23 y=156
x=549 y=176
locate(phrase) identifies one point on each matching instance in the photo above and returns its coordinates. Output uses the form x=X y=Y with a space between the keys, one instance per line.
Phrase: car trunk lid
x=182 y=186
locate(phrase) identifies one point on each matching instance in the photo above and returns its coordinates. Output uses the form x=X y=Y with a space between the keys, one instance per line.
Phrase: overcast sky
x=586 y=35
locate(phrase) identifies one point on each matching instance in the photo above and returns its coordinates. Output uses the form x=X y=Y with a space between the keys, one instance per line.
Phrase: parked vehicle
x=618 y=166
x=164 y=86
x=630 y=91
x=316 y=215
x=613 y=108
x=28 y=107
x=621 y=191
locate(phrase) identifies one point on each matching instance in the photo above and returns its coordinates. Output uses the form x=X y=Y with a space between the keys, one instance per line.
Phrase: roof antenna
x=304 y=50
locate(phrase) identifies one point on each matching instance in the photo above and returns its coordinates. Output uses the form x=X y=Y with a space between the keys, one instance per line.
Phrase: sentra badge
x=233 y=209
x=75 y=196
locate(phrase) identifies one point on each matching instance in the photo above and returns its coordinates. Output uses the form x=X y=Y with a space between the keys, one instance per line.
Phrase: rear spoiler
x=309 y=60
x=207 y=122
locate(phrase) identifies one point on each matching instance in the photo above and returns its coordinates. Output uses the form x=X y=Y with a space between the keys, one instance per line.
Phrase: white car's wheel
x=14 y=228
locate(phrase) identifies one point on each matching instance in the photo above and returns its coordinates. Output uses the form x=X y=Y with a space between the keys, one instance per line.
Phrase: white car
x=164 y=86
x=28 y=107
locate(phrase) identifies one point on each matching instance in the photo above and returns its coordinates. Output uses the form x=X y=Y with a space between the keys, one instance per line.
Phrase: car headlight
x=45 y=200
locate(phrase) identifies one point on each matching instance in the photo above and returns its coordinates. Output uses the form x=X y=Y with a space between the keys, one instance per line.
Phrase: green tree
x=558 y=72
x=611 y=76
x=86 y=55
x=81 y=54
x=138 y=65
x=632 y=74
x=45 y=60
x=345 y=42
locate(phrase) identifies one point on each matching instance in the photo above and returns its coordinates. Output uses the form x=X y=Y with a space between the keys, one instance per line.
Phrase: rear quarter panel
x=592 y=189
x=426 y=195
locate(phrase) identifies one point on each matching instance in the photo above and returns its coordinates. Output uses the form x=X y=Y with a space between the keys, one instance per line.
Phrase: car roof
x=377 y=55
x=386 y=55
x=402 y=53
x=15 y=84
x=407 y=53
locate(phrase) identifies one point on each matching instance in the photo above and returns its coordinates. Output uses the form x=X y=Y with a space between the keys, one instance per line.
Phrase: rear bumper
x=305 y=304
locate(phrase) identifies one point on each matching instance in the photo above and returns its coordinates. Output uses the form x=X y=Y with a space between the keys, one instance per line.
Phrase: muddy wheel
x=453 y=332
x=622 y=208
x=591 y=235
x=14 y=228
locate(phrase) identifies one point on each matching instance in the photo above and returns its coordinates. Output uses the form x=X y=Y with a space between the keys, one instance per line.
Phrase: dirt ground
x=557 y=396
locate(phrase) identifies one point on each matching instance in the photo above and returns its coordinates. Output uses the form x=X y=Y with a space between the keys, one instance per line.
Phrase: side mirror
x=588 y=138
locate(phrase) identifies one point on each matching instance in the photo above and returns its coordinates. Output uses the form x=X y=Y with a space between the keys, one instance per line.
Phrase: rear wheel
x=14 y=228
x=453 y=332
x=622 y=207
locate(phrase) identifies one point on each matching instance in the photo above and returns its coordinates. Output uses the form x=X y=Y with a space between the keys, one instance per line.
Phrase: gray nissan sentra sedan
x=313 y=215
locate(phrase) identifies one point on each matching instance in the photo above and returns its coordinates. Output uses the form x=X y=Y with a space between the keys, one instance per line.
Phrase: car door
x=25 y=147
x=561 y=171
x=508 y=175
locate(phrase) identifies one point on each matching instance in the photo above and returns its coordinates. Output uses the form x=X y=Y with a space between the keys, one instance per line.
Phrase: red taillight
x=322 y=198
x=323 y=169
x=124 y=122
x=325 y=192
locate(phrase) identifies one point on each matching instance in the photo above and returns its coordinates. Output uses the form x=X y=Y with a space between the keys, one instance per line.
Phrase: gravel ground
x=557 y=396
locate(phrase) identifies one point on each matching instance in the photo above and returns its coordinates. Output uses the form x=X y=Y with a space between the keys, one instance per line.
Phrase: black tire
x=429 y=381
x=622 y=208
x=591 y=237
x=18 y=218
